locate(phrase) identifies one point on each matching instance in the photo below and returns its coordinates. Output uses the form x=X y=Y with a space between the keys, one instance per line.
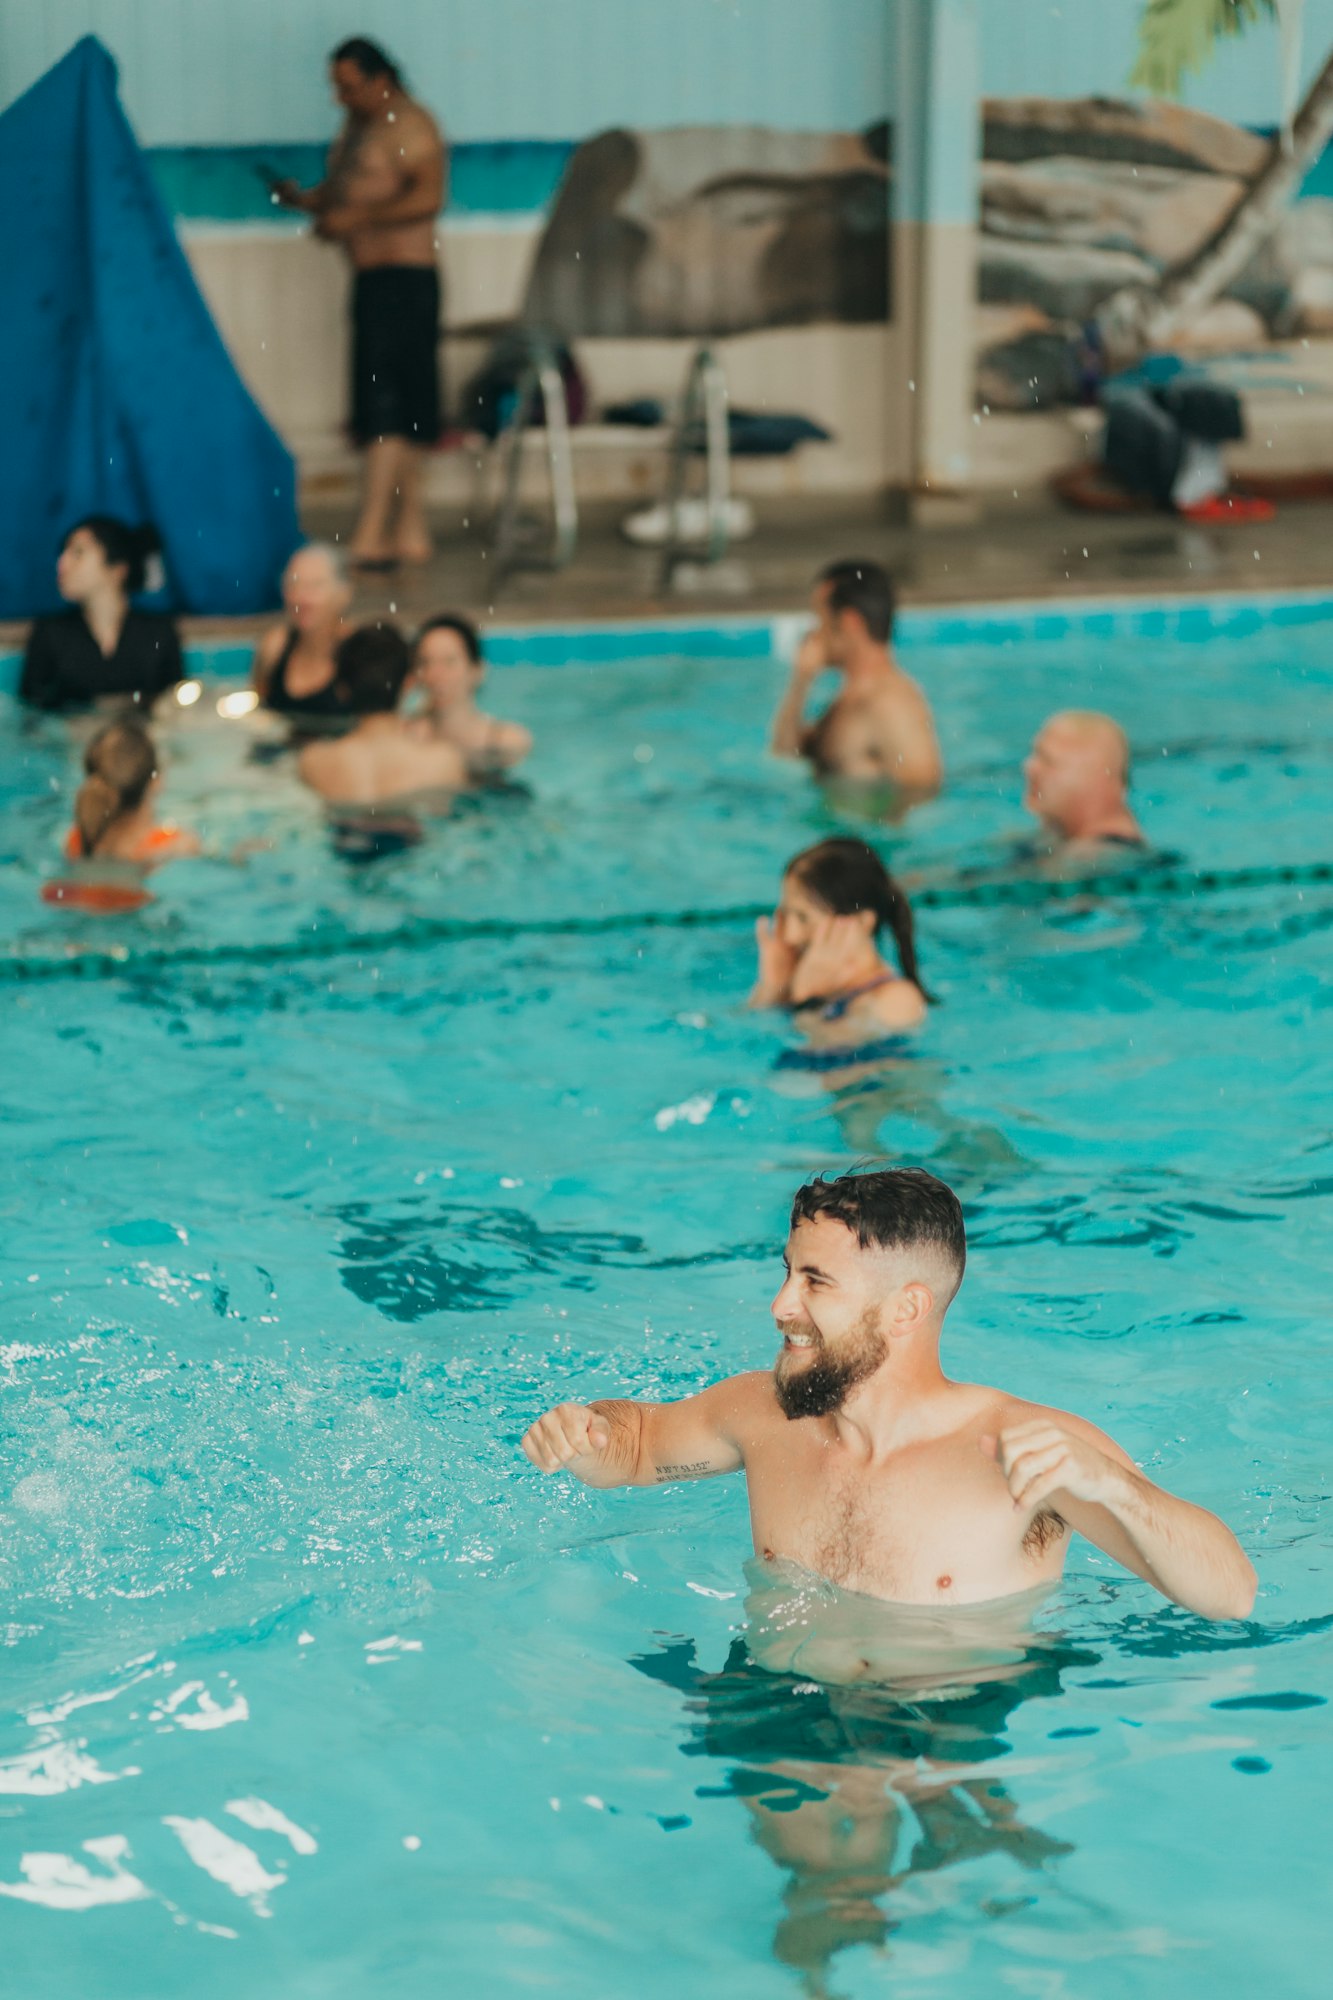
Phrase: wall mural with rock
x=715 y=230
x=1081 y=197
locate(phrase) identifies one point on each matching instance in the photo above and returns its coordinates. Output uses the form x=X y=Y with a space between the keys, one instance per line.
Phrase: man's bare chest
x=849 y=730
x=923 y=1531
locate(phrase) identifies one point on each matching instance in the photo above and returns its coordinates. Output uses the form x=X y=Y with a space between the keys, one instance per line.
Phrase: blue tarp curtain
x=117 y=395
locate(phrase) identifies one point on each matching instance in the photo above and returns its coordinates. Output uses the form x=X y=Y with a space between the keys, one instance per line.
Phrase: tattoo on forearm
x=698 y=1470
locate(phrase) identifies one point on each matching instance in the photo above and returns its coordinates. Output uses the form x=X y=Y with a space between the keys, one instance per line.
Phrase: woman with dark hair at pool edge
x=101 y=645
x=818 y=955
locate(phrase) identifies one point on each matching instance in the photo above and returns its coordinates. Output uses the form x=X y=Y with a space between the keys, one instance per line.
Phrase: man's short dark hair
x=896 y=1208
x=864 y=587
x=372 y=664
x=369 y=58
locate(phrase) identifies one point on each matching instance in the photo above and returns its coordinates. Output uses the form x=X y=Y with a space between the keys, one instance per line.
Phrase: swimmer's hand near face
x=811 y=657
x=835 y=944
x=777 y=962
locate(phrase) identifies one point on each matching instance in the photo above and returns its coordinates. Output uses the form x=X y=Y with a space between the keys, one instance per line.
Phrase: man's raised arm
x=1062 y=1463
x=644 y=1444
x=788 y=734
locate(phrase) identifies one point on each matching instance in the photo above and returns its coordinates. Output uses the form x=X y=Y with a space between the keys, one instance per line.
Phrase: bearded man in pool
x=867 y=1465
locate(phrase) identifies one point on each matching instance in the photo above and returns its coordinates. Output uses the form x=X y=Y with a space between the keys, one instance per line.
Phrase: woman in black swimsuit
x=295 y=668
x=101 y=646
x=819 y=957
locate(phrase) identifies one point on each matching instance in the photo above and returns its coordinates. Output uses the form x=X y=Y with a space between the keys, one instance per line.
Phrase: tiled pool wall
x=774 y=635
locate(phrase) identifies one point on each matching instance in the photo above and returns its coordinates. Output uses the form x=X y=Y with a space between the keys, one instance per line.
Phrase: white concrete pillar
x=936 y=148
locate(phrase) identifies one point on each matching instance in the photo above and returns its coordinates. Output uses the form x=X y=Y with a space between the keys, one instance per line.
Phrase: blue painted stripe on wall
x=516 y=177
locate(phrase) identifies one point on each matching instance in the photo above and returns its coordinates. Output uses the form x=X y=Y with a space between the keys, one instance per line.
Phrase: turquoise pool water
x=312 y=1687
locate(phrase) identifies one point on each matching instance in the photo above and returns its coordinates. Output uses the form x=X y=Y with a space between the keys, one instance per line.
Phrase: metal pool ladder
x=703 y=410
x=540 y=387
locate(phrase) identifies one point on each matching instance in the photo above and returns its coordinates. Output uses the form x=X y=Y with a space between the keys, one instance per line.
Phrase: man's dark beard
x=824 y=1386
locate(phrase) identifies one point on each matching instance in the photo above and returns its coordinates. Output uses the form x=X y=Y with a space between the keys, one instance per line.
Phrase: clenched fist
x=1037 y=1459
x=569 y=1433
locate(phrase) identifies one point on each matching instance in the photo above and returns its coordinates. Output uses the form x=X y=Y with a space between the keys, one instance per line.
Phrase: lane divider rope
x=1141 y=884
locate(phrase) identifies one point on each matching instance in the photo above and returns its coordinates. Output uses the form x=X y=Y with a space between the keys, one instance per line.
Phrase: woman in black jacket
x=101 y=646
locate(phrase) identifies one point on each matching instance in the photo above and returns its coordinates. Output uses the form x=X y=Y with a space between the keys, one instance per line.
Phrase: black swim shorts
x=395 y=363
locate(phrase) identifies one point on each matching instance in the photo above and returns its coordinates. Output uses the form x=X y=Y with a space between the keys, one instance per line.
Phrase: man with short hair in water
x=381 y=194
x=867 y=1465
x=381 y=759
x=1076 y=776
x=878 y=727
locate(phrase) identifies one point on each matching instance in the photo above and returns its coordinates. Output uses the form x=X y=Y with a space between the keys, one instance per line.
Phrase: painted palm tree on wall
x=1176 y=37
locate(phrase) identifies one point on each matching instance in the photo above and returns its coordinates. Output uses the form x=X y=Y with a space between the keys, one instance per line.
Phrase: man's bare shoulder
x=748 y=1402
x=320 y=764
x=902 y=695
x=437 y=762
x=416 y=131
x=1007 y=1411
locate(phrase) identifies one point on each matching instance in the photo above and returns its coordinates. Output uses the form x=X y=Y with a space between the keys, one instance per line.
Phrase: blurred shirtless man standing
x=384 y=187
x=878 y=728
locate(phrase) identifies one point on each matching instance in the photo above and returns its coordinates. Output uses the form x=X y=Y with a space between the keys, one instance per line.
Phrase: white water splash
x=59 y=1882
x=264 y=1818
x=55 y=1767
x=692 y=1112
x=228 y=1861
x=206 y=1713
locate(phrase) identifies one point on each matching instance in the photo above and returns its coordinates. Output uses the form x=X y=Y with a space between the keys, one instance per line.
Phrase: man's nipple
x=944 y=1583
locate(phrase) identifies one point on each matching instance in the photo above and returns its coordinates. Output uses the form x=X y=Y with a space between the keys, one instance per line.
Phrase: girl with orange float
x=114 y=824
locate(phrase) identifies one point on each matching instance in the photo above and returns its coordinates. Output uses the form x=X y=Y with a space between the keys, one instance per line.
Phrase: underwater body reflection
x=859 y=1736
x=864 y=1090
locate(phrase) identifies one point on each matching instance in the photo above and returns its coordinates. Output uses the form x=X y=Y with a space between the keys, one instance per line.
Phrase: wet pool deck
x=1011 y=551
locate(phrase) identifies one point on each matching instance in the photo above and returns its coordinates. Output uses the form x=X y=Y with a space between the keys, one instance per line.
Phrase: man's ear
x=916 y=1303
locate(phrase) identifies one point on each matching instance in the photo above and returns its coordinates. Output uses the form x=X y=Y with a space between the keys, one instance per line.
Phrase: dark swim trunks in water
x=833 y=1059
x=395 y=354
x=752 y=1716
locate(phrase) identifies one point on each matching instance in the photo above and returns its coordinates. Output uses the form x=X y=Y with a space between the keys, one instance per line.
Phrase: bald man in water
x=867 y=1465
x=1076 y=776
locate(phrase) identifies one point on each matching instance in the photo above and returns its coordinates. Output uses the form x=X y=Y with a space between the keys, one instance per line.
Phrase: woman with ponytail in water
x=819 y=955
x=113 y=810
x=101 y=645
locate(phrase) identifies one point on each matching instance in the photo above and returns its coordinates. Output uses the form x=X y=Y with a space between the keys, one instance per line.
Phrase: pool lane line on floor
x=1147 y=884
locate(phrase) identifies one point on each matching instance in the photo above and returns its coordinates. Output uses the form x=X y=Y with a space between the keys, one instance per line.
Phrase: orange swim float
x=101 y=899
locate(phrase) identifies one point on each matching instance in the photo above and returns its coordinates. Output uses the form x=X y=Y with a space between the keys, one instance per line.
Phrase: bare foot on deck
x=365 y=554
x=413 y=545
